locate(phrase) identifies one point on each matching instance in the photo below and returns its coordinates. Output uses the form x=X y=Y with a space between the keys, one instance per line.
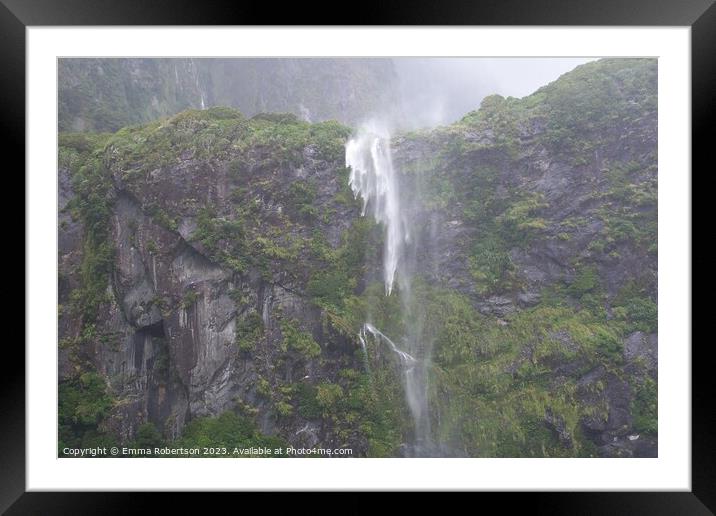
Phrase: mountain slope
x=548 y=207
x=215 y=271
x=107 y=94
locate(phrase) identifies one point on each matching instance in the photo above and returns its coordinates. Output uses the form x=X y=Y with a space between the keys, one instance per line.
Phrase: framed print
x=424 y=256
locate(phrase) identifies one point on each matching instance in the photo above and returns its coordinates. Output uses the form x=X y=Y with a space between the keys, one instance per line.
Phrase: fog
x=436 y=91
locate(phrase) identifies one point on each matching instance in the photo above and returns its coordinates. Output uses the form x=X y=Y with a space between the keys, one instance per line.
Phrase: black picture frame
x=700 y=15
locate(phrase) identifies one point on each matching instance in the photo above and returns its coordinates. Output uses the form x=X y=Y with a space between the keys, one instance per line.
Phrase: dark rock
x=557 y=425
x=528 y=298
x=498 y=306
x=643 y=348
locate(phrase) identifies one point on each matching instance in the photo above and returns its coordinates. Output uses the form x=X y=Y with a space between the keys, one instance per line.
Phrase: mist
x=437 y=91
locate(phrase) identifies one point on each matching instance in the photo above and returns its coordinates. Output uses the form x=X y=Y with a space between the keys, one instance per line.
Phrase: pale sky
x=442 y=90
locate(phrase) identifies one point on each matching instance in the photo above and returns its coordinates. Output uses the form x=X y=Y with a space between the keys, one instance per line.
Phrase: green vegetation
x=308 y=406
x=339 y=270
x=645 y=407
x=328 y=395
x=500 y=375
x=518 y=221
x=580 y=109
x=634 y=306
x=212 y=231
x=296 y=340
x=330 y=138
x=501 y=227
x=189 y=299
x=83 y=404
x=583 y=106
x=225 y=134
x=82 y=156
x=249 y=330
x=230 y=242
x=492 y=381
x=302 y=197
x=587 y=281
x=370 y=406
x=147 y=437
x=380 y=403
x=629 y=210
x=227 y=430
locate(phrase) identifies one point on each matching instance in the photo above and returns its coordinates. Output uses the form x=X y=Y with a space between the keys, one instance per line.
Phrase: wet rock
x=611 y=396
x=634 y=446
x=557 y=425
x=308 y=435
x=528 y=298
x=643 y=348
x=499 y=306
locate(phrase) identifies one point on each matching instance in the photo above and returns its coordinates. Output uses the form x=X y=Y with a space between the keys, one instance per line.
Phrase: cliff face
x=207 y=231
x=214 y=264
x=542 y=212
x=107 y=94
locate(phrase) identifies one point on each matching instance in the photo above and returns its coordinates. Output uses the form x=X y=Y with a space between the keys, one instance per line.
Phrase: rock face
x=203 y=258
x=211 y=263
x=107 y=94
x=547 y=205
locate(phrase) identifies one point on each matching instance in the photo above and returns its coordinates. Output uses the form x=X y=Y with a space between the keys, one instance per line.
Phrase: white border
x=671 y=471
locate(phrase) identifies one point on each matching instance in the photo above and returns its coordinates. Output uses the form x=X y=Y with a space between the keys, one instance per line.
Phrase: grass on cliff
x=494 y=382
x=224 y=134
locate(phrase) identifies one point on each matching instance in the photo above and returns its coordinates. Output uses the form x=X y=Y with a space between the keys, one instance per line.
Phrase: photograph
x=357 y=257
x=438 y=249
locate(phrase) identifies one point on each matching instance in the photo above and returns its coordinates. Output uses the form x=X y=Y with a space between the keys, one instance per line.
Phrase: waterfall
x=195 y=71
x=305 y=112
x=414 y=377
x=375 y=180
x=405 y=358
x=364 y=347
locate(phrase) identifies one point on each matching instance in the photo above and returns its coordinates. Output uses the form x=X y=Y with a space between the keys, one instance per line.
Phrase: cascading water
x=195 y=72
x=364 y=347
x=374 y=178
x=405 y=358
